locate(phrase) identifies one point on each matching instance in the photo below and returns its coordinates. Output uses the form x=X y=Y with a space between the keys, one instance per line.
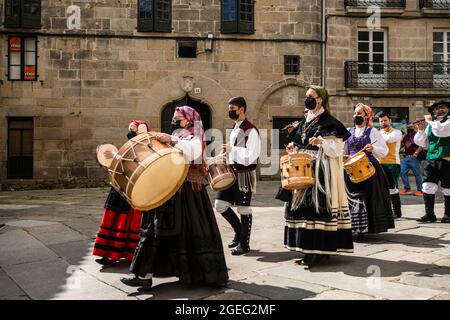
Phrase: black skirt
x=181 y=238
x=309 y=230
x=371 y=206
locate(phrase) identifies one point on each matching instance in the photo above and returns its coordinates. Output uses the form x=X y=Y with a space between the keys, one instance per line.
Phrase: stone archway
x=175 y=87
x=167 y=112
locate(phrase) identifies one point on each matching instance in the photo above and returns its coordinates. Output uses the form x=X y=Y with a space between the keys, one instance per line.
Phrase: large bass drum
x=147 y=172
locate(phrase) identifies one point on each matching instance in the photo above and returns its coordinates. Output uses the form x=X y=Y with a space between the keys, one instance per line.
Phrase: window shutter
x=228 y=14
x=163 y=15
x=145 y=15
x=12 y=13
x=31 y=14
x=246 y=17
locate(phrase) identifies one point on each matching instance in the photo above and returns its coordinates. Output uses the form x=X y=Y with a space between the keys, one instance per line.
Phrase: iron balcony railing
x=379 y=3
x=389 y=75
x=434 y=4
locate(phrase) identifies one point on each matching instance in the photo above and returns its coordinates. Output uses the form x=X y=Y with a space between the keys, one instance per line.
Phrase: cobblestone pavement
x=46 y=245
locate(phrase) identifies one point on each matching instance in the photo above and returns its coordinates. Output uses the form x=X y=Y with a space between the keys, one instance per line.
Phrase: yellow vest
x=391 y=157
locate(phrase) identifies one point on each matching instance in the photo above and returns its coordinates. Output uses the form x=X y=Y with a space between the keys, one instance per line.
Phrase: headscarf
x=195 y=128
x=368 y=111
x=323 y=94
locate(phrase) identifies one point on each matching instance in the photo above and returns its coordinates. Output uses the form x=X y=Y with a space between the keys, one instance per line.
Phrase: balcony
x=397 y=75
x=435 y=7
x=361 y=7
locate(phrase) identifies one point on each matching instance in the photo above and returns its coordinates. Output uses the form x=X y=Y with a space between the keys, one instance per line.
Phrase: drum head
x=101 y=157
x=223 y=183
x=159 y=181
x=355 y=158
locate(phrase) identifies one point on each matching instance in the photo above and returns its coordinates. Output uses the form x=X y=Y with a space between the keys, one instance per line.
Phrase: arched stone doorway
x=201 y=108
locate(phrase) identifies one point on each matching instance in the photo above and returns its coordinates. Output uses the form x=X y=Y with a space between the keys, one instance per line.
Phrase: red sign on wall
x=15 y=44
x=30 y=72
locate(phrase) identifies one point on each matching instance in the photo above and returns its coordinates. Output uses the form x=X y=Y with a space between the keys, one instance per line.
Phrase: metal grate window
x=291 y=64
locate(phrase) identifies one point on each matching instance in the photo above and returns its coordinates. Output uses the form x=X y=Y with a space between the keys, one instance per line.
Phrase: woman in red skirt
x=118 y=234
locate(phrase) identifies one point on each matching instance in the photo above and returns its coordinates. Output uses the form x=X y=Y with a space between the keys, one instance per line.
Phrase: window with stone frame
x=155 y=15
x=441 y=52
x=237 y=16
x=291 y=64
x=22 y=58
x=22 y=14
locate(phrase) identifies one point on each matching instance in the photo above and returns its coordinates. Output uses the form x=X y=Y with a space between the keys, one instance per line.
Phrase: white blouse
x=380 y=149
x=439 y=129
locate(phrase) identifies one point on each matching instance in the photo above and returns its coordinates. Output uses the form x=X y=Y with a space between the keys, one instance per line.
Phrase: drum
x=297 y=171
x=147 y=172
x=359 y=167
x=220 y=175
x=101 y=159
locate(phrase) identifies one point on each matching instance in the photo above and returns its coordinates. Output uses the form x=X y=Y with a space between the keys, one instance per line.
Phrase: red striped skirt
x=118 y=234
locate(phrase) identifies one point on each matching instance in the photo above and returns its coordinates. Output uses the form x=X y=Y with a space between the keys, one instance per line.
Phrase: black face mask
x=176 y=124
x=233 y=115
x=410 y=130
x=310 y=103
x=359 y=120
x=131 y=134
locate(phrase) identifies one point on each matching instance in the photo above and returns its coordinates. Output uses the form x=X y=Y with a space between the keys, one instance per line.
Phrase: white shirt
x=395 y=136
x=439 y=129
x=380 y=148
x=312 y=115
x=191 y=148
x=244 y=155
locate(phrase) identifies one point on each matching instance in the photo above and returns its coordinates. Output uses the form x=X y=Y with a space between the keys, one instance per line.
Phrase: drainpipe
x=323 y=46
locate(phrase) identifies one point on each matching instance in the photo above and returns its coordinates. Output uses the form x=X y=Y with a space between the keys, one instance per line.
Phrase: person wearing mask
x=370 y=206
x=436 y=137
x=243 y=151
x=181 y=237
x=317 y=219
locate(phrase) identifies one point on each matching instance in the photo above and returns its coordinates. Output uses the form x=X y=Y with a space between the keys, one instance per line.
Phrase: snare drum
x=359 y=168
x=297 y=171
x=220 y=175
x=147 y=172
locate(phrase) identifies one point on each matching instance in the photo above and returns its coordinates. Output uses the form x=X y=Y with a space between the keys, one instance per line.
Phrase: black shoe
x=106 y=262
x=307 y=259
x=360 y=236
x=246 y=228
x=429 y=208
x=396 y=206
x=2 y=225
x=240 y=251
x=235 y=242
x=137 y=282
x=445 y=219
x=427 y=218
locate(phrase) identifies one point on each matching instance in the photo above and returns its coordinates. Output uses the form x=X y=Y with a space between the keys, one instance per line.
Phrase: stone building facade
x=96 y=70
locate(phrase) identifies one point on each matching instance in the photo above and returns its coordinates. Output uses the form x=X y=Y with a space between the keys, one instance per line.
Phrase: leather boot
x=396 y=205
x=244 y=244
x=429 y=208
x=235 y=223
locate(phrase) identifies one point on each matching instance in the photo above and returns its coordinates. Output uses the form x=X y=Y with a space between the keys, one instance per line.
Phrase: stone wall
x=93 y=81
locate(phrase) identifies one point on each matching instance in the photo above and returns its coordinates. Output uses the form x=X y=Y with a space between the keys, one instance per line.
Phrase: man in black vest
x=243 y=152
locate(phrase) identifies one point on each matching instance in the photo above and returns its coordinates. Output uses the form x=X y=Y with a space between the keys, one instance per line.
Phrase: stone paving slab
x=9 y=289
x=55 y=234
x=17 y=247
